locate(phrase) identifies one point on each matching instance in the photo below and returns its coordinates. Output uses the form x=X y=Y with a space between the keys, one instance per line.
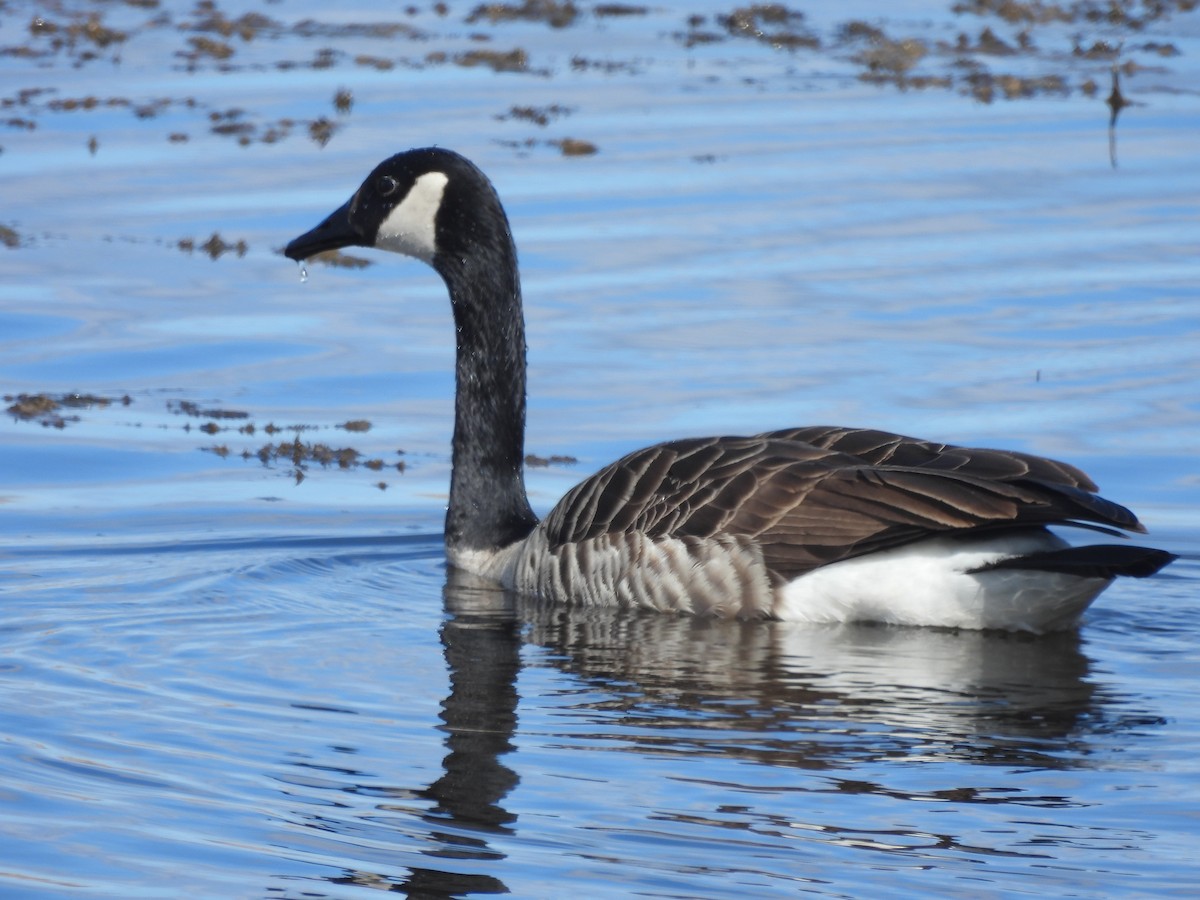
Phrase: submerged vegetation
x=48 y=409
x=1003 y=50
x=998 y=51
x=293 y=456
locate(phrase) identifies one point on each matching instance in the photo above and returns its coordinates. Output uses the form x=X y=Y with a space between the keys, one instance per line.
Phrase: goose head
x=430 y=203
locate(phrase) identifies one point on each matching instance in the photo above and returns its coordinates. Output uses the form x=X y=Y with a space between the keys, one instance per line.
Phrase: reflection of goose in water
x=797 y=695
x=797 y=708
x=464 y=811
x=817 y=524
x=479 y=715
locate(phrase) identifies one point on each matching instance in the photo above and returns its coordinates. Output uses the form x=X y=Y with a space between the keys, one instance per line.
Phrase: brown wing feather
x=884 y=448
x=812 y=496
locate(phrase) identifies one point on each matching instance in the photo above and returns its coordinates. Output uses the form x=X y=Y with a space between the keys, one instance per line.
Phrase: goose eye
x=386 y=185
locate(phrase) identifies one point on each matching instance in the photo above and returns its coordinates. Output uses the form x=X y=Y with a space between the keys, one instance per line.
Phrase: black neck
x=488 y=504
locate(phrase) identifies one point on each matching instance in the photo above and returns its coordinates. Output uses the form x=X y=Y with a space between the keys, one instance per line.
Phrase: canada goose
x=819 y=524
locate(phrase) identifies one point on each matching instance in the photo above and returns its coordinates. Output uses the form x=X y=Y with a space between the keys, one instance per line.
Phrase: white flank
x=931 y=583
x=410 y=228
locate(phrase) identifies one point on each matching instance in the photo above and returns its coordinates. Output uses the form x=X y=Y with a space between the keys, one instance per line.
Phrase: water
x=232 y=677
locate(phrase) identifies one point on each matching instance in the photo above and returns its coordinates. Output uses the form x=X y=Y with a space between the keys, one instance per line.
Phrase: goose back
x=808 y=504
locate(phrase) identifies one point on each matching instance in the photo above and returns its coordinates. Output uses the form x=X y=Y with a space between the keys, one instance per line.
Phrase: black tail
x=1092 y=561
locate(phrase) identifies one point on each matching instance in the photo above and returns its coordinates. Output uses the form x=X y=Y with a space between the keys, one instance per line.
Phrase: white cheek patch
x=410 y=227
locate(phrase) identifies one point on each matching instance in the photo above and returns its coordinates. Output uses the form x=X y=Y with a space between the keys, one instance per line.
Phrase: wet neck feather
x=488 y=506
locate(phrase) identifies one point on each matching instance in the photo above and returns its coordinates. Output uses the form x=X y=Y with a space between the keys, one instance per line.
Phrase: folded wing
x=816 y=495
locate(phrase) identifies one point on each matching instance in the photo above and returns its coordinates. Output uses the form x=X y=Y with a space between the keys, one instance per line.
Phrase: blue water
x=222 y=681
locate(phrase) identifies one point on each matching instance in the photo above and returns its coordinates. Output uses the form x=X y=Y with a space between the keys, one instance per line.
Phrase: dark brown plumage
x=816 y=495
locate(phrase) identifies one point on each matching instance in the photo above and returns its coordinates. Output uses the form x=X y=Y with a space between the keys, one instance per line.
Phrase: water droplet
x=303 y=273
